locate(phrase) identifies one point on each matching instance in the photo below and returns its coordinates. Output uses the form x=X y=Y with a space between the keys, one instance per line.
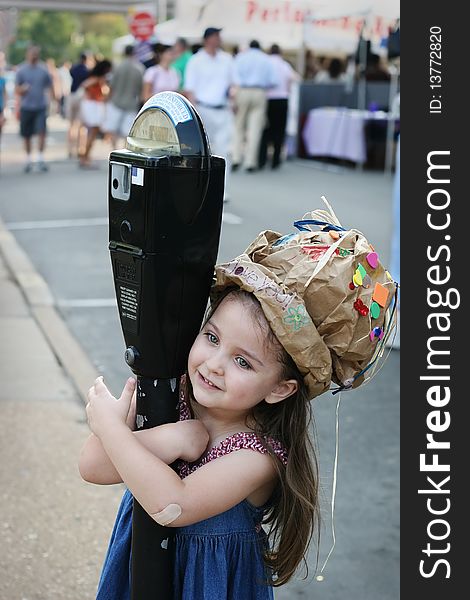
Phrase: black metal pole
x=152 y=544
x=165 y=213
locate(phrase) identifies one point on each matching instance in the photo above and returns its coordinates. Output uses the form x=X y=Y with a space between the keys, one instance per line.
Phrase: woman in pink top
x=161 y=77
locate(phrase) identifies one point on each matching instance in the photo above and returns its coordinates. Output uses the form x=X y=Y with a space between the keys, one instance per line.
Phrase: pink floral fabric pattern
x=238 y=441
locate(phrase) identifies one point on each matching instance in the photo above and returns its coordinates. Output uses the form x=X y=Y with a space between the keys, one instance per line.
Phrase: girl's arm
x=184 y=439
x=210 y=490
x=93 y=463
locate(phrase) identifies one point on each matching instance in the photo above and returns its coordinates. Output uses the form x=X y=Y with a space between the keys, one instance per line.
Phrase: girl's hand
x=192 y=438
x=130 y=420
x=104 y=410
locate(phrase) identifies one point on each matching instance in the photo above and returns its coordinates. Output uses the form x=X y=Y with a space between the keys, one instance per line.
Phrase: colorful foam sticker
x=380 y=294
x=362 y=271
x=361 y=307
x=366 y=282
x=373 y=259
x=357 y=278
x=334 y=234
x=377 y=332
x=351 y=286
x=374 y=310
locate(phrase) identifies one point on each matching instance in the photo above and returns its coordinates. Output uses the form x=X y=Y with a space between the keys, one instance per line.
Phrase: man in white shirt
x=254 y=75
x=209 y=77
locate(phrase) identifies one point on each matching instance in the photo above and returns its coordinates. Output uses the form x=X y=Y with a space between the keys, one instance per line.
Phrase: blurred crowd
x=247 y=98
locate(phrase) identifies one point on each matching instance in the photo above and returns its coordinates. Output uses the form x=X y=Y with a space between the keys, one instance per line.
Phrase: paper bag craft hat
x=325 y=294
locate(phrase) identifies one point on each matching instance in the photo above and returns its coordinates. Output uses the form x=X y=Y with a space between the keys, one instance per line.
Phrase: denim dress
x=219 y=558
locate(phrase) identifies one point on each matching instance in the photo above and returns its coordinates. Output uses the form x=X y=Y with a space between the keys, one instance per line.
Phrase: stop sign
x=142 y=25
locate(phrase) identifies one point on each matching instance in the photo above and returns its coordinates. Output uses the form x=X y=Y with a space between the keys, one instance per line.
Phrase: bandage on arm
x=169 y=514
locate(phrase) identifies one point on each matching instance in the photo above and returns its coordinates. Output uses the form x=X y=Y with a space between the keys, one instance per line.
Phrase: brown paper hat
x=325 y=294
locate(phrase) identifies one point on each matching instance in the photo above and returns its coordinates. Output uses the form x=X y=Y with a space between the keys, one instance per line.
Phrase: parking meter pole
x=152 y=544
x=165 y=213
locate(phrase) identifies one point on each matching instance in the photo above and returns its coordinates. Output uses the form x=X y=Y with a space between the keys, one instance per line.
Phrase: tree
x=100 y=30
x=63 y=35
x=51 y=30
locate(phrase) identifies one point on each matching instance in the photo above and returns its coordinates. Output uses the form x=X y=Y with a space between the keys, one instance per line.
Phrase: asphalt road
x=60 y=219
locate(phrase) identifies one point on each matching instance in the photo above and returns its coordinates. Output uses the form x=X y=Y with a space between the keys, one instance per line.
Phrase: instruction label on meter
x=128 y=294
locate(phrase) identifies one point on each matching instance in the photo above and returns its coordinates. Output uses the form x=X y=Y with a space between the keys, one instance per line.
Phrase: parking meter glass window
x=153 y=133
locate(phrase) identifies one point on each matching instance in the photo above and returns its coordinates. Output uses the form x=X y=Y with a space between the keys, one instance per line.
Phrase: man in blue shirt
x=254 y=75
x=33 y=83
x=79 y=72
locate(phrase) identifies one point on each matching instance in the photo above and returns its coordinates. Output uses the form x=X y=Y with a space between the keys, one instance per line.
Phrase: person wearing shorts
x=124 y=98
x=93 y=107
x=34 y=86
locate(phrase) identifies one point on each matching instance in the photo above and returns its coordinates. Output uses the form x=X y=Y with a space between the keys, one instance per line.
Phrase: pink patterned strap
x=242 y=440
x=183 y=406
x=238 y=441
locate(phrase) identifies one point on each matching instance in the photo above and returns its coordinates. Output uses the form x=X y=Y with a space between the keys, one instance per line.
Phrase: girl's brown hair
x=293 y=516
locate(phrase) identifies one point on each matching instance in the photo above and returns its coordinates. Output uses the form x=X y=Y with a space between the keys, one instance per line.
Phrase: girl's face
x=230 y=364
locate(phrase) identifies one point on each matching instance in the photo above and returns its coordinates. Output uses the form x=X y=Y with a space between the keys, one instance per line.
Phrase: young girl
x=287 y=318
x=93 y=107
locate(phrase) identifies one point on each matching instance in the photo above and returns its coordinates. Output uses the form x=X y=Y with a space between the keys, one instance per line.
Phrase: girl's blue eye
x=211 y=337
x=242 y=363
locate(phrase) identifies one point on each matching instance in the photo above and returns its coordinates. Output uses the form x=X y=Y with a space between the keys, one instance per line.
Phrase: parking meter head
x=165 y=206
x=167 y=124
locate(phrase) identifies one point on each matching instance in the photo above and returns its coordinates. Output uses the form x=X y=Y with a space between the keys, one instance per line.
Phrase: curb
x=40 y=301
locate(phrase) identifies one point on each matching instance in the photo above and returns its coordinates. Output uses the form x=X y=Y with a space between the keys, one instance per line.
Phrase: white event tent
x=328 y=26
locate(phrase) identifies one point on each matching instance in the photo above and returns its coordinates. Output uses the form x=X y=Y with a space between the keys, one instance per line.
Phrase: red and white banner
x=324 y=25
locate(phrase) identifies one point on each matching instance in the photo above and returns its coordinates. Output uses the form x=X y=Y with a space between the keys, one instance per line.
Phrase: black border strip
x=433 y=249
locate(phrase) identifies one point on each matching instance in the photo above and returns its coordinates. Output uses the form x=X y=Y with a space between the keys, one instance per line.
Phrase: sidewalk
x=54 y=527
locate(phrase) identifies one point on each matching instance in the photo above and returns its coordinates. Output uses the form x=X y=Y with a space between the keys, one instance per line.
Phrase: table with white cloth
x=339 y=132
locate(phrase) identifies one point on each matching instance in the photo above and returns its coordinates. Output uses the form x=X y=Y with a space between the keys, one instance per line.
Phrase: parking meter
x=165 y=208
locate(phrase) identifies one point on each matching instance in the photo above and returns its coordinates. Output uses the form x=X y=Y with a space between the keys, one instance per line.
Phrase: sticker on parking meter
x=137 y=176
x=172 y=104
